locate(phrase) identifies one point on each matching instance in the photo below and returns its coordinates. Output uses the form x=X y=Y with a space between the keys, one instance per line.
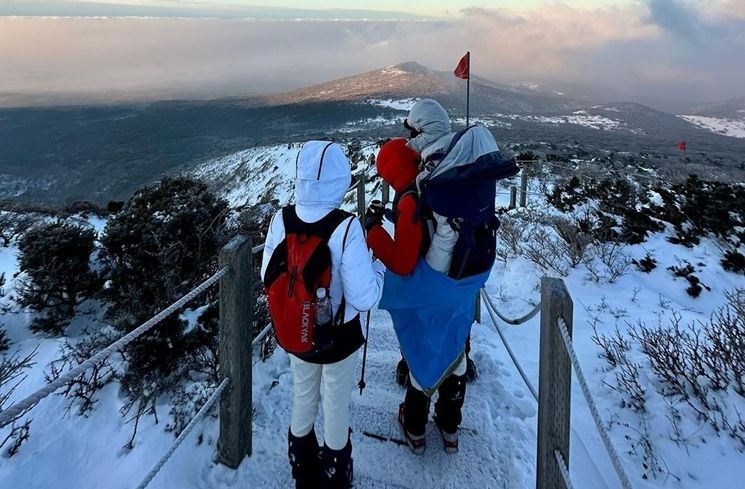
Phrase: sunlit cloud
x=658 y=48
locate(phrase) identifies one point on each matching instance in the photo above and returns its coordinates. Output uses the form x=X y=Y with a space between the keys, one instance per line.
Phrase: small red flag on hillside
x=463 y=70
x=682 y=146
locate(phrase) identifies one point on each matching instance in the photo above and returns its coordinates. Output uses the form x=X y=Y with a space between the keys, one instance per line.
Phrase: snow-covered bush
x=646 y=264
x=55 y=261
x=734 y=261
x=12 y=225
x=686 y=271
x=158 y=247
x=698 y=208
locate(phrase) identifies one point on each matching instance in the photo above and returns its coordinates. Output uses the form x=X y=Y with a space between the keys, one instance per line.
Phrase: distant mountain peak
x=413 y=67
x=410 y=79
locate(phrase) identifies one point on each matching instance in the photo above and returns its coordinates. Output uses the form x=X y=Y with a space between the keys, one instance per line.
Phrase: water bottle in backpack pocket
x=323 y=324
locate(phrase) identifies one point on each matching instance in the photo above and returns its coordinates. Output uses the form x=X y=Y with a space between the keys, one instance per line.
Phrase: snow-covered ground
x=727 y=127
x=404 y=105
x=499 y=429
x=579 y=118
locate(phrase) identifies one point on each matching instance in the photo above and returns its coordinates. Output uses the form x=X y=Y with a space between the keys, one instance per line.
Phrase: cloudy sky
x=647 y=50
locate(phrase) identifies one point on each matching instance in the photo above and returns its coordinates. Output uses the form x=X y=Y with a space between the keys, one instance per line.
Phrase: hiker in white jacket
x=323 y=178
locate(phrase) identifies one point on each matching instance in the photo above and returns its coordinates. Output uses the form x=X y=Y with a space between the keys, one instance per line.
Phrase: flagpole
x=468 y=90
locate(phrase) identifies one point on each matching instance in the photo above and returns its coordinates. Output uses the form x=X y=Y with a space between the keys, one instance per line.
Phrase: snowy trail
x=497 y=439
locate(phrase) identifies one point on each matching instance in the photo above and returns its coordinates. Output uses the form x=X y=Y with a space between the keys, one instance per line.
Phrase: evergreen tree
x=159 y=246
x=55 y=258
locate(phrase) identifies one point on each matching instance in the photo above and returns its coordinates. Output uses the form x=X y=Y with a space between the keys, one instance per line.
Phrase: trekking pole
x=362 y=384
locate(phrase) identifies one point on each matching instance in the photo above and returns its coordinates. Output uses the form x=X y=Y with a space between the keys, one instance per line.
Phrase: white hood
x=323 y=176
x=429 y=117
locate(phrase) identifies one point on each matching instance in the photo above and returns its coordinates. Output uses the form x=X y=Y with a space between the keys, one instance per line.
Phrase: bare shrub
x=513 y=234
x=546 y=251
x=627 y=381
x=82 y=389
x=607 y=261
x=614 y=348
x=574 y=239
x=12 y=369
x=698 y=364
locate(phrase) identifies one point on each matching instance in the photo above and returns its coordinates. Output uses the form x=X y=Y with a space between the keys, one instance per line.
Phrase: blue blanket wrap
x=432 y=315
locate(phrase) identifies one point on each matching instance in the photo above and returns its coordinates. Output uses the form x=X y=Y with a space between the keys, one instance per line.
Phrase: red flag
x=682 y=146
x=463 y=70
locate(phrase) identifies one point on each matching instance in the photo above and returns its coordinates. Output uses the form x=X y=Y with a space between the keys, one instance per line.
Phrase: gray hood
x=429 y=117
x=322 y=179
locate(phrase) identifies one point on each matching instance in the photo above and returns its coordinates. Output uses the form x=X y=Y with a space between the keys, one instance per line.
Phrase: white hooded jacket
x=322 y=180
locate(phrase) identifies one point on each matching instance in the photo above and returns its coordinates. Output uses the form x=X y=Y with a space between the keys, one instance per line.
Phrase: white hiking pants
x=330 y=384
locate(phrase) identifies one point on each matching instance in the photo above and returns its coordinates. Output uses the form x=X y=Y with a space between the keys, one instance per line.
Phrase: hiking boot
x=303 y=454
x=402 y=373
x=449 y=440
x=417 y=443
x=337 y=469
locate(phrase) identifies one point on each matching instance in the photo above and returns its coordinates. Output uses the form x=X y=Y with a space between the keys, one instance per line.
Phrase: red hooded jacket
x=399 y=165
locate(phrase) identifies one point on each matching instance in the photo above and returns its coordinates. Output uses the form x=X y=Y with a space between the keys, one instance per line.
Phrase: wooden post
x=477 y=310
x=523 y=188
x=361 y=196
x=386 y=191
x=554 y=384
x=513 y=197
x=236 y=335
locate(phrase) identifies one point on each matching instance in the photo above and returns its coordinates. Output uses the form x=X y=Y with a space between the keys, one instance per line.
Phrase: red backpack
x=299 y=266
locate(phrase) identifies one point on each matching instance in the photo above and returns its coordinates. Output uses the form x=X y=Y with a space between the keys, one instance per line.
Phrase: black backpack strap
x=322 y=229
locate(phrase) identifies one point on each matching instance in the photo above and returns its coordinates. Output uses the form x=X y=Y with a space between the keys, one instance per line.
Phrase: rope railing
x=563 y=469
x=513 y=322
x=18 y=409
x=182 y=436
x=262 y=335
x=492 y=311
x=618 y=467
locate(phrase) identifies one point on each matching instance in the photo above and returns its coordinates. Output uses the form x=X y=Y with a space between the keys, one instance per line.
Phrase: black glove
x=374 y=215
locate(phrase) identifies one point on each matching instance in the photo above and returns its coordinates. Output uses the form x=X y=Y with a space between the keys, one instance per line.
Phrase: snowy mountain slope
x=261 y=174
x=411 y=79
x=719 y=125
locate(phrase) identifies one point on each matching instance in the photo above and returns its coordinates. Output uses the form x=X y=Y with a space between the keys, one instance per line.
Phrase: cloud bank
x=656 y=50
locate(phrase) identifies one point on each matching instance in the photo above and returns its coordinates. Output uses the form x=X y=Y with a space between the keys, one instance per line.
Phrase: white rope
x=563 y=469
x=257 y=248
x=489 y=306
x=593 y=407
x=261 y=335
x=16 y=410
x=514 y=322
x=197 y=417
